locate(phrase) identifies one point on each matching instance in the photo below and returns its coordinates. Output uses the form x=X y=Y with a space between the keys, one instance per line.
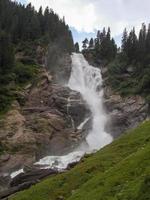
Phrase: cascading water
x=87 y=80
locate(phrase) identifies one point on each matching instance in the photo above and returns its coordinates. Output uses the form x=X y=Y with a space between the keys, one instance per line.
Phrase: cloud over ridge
x=88 y=15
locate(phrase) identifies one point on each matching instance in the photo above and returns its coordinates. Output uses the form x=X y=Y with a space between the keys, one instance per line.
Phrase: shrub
x=24 y=73
x=6 y=98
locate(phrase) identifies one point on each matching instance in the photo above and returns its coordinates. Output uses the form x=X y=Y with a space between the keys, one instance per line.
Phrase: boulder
x=34 y=175
x=4 y=182
x=6 y=193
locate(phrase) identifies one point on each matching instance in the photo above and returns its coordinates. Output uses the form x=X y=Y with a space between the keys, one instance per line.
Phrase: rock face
x=25 y=180
x=58 y=63
x=124 y=112
x=43 y=121
x=45 y=125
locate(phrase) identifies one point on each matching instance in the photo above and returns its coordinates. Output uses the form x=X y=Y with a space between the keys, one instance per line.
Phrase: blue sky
x=86 y=16
x=22 y=1
x=79 y=36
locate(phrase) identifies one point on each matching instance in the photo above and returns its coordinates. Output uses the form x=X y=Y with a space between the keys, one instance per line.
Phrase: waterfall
x=87 y=80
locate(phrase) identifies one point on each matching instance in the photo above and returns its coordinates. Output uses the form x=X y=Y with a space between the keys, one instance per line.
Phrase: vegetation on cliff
x=25 y=33
x=118 y=171
x=129 y=67
x=129 y=73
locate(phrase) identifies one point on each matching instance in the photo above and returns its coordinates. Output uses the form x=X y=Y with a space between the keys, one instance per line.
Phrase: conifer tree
x=148 y=42
x=124 y=41
x=91 y=43
x=142 y=43
x=6 y=54
x=24 y=23
x=77 y=49
x=85 y=43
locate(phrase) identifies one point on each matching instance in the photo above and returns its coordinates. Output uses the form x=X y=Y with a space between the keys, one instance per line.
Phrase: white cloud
x=88 y=15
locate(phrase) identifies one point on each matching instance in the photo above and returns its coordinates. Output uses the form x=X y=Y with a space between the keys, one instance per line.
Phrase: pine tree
x=108 y=36
x=134 y=45
x=41 y=19
x=97 y=47
x=142 y=44
x=85 y=43
x=130 y=48
x=104 y=32
x=77 y=49
x=98 y=36
x=105 y=47
x=24 y=23
x=148 y=41
x=124 y=41
x=6 y=54
x=114 y=49
x=91 y=43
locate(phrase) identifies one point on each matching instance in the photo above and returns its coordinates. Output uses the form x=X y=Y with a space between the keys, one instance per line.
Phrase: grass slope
x=120 y=171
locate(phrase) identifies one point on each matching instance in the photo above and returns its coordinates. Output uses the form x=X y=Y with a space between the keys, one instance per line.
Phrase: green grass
x=120 y=171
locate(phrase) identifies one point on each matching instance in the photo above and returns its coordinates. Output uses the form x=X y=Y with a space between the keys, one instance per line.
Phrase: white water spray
x=87 y=80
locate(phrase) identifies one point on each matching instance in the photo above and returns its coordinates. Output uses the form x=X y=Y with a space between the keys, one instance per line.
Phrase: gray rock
x=124 y=113
x=33 y=175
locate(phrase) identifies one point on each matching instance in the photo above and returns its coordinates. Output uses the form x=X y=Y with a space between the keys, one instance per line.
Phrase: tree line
x=103 y=45
x=22 y=29
x=136 y=48
x=135 y=59
x=128 y=65
x=24 y=23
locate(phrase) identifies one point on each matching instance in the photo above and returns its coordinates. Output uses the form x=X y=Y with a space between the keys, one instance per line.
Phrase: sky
x=85 y=17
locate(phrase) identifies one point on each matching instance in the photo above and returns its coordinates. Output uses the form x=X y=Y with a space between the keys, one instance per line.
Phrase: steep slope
x=26 y=36
x=118 y=171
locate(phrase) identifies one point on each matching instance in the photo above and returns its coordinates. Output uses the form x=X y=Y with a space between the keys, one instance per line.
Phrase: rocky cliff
x=42 y=122
x=125 y=112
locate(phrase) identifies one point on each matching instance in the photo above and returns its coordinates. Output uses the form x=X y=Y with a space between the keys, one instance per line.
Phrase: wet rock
x=33 y=175
x=45 y=124
x=72 y=165
x=56 y=61
x=4 y=182
x=60 y=198
x=16 y=161
x=87 y=127
x=124 y=112
x=4 y=158
x=13 y=190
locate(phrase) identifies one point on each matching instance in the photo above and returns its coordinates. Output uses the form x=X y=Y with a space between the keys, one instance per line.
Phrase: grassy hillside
x=120 y=171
